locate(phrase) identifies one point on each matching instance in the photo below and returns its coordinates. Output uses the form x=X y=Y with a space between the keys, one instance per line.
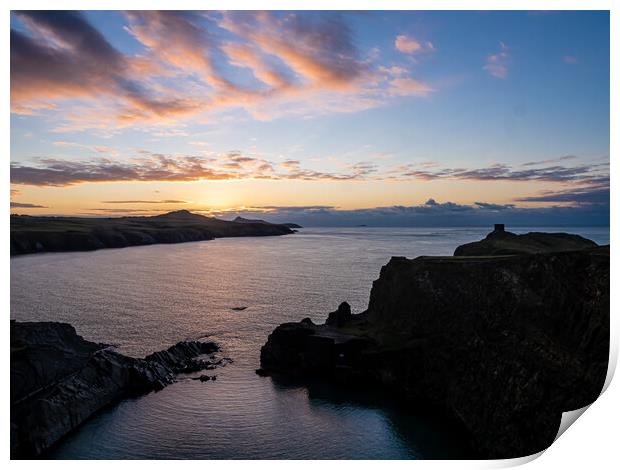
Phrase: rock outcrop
x=59 y=379
x=500 y=242
x=41 y=234
x=503 y=344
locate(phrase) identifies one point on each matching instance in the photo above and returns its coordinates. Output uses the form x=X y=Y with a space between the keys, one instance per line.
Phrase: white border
x=591 y=443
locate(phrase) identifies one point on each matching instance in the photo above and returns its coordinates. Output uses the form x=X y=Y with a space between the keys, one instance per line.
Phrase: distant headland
x=33 y=234
x=242 y=220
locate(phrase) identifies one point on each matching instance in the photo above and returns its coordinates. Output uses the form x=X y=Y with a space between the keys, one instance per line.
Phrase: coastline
x=253 y=313
x=65 y=234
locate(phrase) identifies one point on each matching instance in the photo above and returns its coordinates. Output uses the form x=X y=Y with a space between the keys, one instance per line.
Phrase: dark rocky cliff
x=503 y=344
x=58 y=380
x=40 y=234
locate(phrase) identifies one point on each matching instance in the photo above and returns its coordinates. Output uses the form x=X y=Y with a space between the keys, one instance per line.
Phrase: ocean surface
x=144 y=299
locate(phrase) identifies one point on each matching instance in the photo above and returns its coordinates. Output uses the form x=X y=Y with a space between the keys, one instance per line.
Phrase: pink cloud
x=318 y=51
x=570 y=59
x=302 y=65
x=497 y=64
x=242 y=55
x=410 y=45
x=409 y=86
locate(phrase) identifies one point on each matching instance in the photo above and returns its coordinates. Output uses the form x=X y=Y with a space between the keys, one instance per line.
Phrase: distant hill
x=500 y=242
x=31 y=234
x=242 y=220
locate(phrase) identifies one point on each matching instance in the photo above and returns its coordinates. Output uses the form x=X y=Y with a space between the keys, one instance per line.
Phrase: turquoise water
x=146 y=298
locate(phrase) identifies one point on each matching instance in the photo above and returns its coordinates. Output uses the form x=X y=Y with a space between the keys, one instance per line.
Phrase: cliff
x=58 y=380
x=40 y=234
x=503 y=344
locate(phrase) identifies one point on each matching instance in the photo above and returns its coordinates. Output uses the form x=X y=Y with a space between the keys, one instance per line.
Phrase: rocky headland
x=502 y=343
x=30 y=234
x=499 y=242
x=243 y=220
x=59 y=379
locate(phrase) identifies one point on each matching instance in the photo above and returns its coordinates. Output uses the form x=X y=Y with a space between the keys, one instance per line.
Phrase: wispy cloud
x=95 y=148
x=67 y=58
x=408 y=87
x=497 y=63
x=410 y=45
x=163 y=201
x=235 y=165
x=563 y=158
x=123 y=211
x=27 y=205
x=65 y=67
x=161 y=167
x=571 y=59
x=597 y=194
x=57 y=172
x=582 y=173
x=321 y=53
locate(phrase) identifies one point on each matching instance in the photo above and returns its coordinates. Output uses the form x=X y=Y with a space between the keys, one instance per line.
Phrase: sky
x=320 y=118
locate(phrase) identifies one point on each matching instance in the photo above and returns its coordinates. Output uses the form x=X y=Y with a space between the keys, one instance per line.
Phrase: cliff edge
x=504 y=344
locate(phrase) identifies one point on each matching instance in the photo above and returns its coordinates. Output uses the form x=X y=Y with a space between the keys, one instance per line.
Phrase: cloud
x=578 y=196
x=581 y=173
x=570 y=59
x=95 y=148
x=241 y=55
x=393 y=71
x=497 y=63
x=177 y=39
x=553 y=160
x=115 y=210
x=199 y=143
x=154 y=167
x=408 y=87
x=494 y=207
x=161 y=167
x=318 y=48
x=429 y=214
x=301 y=64
x=410 y=45
x=27 y=205
x=67 y=58
x=291 y=164
x=164 y=201
x=235 y=165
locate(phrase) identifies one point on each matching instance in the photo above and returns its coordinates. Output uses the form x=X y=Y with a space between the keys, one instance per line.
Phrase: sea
x=144 y=299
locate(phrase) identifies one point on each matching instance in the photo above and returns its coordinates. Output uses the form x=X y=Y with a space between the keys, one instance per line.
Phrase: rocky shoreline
x=59 y=379
x=31 y=234
x=503 y=343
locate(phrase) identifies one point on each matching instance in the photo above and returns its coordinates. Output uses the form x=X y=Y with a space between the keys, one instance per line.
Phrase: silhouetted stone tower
x=499 y=228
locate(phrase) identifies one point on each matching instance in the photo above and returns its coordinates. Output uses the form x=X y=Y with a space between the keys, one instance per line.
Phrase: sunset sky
x=360 y=116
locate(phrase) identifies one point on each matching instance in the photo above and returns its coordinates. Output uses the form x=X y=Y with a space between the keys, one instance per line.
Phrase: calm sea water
x=147 y=298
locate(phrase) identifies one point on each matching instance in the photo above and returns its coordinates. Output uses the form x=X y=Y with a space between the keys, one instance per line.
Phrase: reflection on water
x=147 y=298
